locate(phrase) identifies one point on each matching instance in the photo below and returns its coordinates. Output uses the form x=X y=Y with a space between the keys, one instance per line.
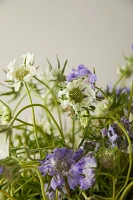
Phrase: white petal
x=4 y=145
x=12 y=64
x=17 y=86
x=29 y=58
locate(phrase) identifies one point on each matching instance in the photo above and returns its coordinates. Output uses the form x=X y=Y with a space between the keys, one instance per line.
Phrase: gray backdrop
x=91 y=32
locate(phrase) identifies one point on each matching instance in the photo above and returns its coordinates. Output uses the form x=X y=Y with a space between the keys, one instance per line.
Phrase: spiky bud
x=107 y=158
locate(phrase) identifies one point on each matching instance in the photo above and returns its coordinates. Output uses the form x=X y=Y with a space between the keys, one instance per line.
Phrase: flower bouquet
x=64 y=137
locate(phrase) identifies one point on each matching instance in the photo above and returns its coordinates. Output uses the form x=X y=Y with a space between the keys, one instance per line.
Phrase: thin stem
x=105 y=96
x=33 y=116
x=19 y=103
x=57 y=194
x=84 y=195
x=7 y=195
x=40 y=178
x=73 y=133
x=114 y=181
x=38 y=127
x=54 y=98
x=46 y=109
x=119 y=80
x=126 y=189
x=130 y=155
x=22 y=185
x=103 y=198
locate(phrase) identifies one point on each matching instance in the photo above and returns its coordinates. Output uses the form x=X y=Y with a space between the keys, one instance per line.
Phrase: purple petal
x=73 y=180
x=86 y=183
x=56 y=181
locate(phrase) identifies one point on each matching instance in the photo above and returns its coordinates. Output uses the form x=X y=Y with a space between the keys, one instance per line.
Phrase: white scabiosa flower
x=4 y=130
x=18 y=73
x=120 y=70
x=125 y=70
x=28 y=58
x=101 y=108
x=77 y=95
x=57 y=75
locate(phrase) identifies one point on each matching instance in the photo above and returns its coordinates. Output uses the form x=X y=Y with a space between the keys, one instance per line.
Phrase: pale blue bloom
x=66 y=165
x=80 y=72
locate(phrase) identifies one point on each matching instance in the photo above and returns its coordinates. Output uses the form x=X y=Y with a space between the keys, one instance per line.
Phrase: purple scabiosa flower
x=104 y=132
x=117 y=136
x=1 y=170
x=86 y=166
x=80 y=72
x=112 y=135
x=59 y=165
x=90 y=146
x=109 y=91
x=51 y=194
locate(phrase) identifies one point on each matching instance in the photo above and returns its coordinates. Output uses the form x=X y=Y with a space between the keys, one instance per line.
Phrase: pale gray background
x=91 y=32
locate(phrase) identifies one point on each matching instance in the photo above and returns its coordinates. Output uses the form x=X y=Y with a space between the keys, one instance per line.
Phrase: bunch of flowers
x=64 y=137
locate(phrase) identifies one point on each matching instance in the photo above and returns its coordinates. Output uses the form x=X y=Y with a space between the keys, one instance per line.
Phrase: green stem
x=54 y=98
x=103 y=198
x=33 y=117
x=126 y=189
x=38 y=127
x=105 y=96
x=46 y=109
x=57 y=194
x=130 y=155
x=84 y=195
x=114 y=182
x=73 y=133
x=40 y=178
x=22 y=185
x=19 y=103
x=121 y=77
x=7 y=195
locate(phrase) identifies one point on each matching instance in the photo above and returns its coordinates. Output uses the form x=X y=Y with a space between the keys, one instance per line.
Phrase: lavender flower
x=66 y=165
x=58 y=164
x=90 y=146
x=1 y=170
x=51 y=194
x=117 y=90
x=80 y=72
x=86 y=166
x=117 y=136
x=104 y=132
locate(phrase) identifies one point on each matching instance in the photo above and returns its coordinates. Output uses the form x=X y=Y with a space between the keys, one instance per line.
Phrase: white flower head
x=125 y=69
x=5 y=114
x=4 y=145
x=28 y=58
x=77 y=94
x=120 y=70
x=23 y=72
x=101 y=108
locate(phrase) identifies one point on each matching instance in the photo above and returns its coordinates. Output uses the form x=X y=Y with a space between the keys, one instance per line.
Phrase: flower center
x=76 y=95
x=62 y=166
x=107 y=161
x=122 y=143
x=21 y=73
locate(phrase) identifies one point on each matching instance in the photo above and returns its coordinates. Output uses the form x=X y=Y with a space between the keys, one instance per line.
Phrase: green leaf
x=50 y=66
x=58 y=62
x=64 y=67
